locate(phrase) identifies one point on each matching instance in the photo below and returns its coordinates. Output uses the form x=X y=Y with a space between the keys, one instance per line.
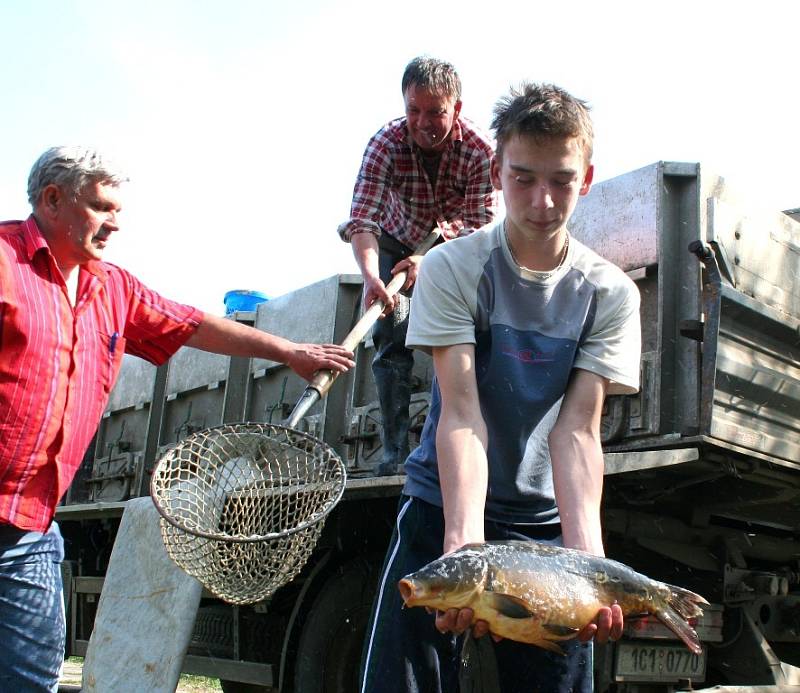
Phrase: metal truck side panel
x=721 y=362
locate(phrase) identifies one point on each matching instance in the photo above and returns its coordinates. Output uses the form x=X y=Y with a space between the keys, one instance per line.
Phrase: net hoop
x=243 y=505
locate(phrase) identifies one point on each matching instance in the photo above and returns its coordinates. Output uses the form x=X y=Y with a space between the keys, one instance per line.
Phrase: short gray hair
x=70 y=168
x=433 y=75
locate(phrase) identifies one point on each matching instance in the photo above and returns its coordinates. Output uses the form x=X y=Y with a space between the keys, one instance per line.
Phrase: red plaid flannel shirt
x=393 y=194
x=58 y=364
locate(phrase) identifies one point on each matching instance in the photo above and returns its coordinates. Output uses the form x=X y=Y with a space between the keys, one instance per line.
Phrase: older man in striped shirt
x=66 y=318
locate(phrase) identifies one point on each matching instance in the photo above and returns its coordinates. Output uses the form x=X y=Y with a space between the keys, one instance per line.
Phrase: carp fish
x=541 y=594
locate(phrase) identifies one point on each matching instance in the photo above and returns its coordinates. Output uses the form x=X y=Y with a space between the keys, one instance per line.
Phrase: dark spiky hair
x=542 y=111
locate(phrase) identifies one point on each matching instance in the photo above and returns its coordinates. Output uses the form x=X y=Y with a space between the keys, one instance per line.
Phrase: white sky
x=242 y=123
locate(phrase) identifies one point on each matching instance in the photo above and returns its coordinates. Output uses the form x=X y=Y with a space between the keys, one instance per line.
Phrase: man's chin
x=543 y=227
x=429 y=145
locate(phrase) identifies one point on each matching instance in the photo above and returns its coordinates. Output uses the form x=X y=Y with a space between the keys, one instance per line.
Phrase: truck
x=702 y=465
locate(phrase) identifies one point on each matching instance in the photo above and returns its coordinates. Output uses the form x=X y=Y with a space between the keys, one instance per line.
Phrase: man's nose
x=111 y=222
x=542 y=199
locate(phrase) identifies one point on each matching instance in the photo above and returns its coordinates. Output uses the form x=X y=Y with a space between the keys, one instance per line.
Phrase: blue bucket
x=243 y=300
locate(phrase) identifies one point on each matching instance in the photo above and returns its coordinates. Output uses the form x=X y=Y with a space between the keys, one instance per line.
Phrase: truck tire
x=329 y=649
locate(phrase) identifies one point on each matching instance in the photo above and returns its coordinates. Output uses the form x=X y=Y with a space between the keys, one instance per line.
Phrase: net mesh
x=243 y=505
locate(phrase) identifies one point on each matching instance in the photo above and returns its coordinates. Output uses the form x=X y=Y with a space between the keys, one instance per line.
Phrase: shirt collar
x=35 y=242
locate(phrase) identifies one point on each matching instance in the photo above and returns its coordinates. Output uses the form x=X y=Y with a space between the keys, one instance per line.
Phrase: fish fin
x=686 y=603
x=682 y=606
x=478 y=670
x=550 y=645
x=560 y=631
x=508 y=605
x=673 y=620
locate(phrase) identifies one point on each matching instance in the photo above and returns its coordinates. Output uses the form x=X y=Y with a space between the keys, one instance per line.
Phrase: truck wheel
x=329 y=650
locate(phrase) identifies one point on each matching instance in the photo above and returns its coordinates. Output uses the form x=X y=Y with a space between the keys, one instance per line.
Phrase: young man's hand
x=458 y=620
x=606 y=626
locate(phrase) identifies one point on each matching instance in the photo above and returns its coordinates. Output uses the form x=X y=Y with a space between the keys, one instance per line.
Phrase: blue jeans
x=403 y=651
x=32 y=624
x=391 y=367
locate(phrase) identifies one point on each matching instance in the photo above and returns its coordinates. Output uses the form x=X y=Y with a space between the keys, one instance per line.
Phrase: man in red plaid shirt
x=428 y=169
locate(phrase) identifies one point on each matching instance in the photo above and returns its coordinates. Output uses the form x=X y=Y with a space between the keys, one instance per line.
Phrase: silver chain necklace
x=543 y=274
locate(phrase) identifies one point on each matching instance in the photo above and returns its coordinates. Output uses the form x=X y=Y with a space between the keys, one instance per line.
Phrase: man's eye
x=522 y=180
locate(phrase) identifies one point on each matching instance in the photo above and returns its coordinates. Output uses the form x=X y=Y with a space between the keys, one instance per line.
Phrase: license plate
x=644 y=661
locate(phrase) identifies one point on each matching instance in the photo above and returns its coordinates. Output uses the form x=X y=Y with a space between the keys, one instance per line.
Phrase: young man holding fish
x=529 y=331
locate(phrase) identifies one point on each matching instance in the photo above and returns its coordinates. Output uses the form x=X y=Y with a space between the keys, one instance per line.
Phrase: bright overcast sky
x=242 y=123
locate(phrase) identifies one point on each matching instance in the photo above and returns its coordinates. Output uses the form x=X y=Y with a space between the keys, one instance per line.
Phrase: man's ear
x=587 y=180
x=494 y=172
x=457 y=109
x=51 y=199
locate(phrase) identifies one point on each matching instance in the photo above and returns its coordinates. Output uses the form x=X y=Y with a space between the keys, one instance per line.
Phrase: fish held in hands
x=541 y=594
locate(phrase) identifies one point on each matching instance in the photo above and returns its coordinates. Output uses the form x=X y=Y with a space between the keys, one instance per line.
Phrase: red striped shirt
x=58 y=364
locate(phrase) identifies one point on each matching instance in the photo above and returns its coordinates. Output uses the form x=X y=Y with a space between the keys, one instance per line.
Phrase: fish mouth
x=407 y=591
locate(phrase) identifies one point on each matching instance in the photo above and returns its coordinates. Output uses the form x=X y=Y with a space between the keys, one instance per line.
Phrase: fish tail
x=672 y=620
x=682 y=605
x=686 y=603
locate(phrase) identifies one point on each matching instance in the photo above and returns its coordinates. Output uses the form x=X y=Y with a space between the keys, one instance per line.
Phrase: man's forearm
x=461 y=441
x=463 y=475
x=223 y=336
x=228 y=337
x=577 y=460
x=365 y=251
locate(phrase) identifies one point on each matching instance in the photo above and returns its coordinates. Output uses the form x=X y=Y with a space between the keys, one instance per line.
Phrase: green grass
x=198 y=684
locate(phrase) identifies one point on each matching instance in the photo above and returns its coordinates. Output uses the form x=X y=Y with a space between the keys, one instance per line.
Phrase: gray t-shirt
x=529 y=333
